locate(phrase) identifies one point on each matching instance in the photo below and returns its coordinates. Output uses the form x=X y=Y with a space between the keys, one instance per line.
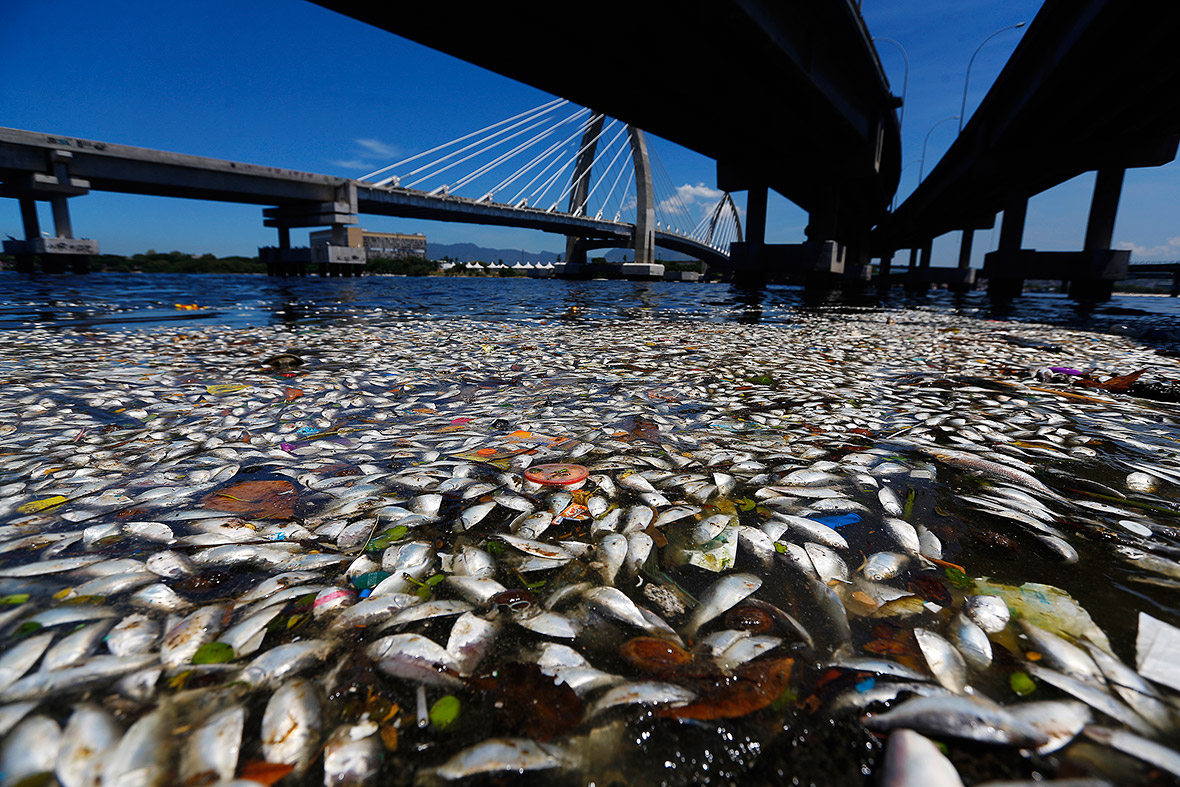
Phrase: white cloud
x=355 y=163
x=377 y=148
x=1168 y=251
x=690 y=196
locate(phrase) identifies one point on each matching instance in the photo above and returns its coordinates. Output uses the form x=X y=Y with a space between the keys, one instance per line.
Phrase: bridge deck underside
x=791 y=95
x=1091 y=86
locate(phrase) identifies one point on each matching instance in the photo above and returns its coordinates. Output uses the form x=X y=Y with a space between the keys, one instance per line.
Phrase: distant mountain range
x=469 y=252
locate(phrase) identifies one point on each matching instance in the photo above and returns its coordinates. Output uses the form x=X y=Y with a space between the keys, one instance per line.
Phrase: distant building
x=390 y=245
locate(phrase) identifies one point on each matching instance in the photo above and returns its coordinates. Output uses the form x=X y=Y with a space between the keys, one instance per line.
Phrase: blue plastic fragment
x=365 y=593
x=837 y=520
x=866 y=684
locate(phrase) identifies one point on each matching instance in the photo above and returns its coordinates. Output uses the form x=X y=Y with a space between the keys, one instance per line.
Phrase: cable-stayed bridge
x=557 y=168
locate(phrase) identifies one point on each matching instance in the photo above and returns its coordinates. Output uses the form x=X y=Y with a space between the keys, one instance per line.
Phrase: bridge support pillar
x=965 y=285
x=1005 y=279
x=885 y=273
x=749 y=256
x=55 y=186
x=1104 y=206
x=918 y=279
x=32 y=227
x=858 y=269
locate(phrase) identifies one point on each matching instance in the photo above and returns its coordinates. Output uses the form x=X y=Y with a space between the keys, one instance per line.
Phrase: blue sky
x=290 y=84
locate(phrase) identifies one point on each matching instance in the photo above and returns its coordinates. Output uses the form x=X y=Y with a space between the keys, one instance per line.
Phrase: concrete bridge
x=1090 y=87
x=49 y=167
x=798 y=100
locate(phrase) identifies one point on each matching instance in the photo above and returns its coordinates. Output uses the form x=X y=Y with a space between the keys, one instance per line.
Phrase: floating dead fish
x=957 y=716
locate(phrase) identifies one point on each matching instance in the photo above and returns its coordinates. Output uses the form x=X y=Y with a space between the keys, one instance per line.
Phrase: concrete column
x=284 y=237
x=965 y=249
x=28 y=216
x=1005 y=285
x=749 y=272
x=756 y=215
x=926 y=250
x=823 y=218
x=1090 y=284
x=1012 y=228
x=61 y=216
x=1104 y=206
x=885 y=272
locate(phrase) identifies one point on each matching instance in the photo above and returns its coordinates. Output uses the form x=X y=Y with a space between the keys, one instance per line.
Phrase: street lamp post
x=922 y=167
x=903 y=169
x=905 y=79
x=963 y=109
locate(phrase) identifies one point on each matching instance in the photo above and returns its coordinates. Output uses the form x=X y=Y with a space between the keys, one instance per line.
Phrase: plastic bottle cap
x=559 y=474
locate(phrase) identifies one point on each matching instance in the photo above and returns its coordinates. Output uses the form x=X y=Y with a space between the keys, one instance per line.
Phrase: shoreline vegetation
x=153 y=261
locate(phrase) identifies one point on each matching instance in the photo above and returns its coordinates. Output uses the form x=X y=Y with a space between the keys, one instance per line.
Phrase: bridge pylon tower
x=645 y=205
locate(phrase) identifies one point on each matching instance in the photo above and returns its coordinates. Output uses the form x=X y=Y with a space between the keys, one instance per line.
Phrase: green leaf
x=910 y=497
x=783 y=700
x=213 y=653
x=745 y=503
x=494 y=548
x=435 y=579
x=1021 y=683
x=444 y=711
x=780 y=547
x=16 y=598
x=958 y=578
x=386 y=538
x=28 y=628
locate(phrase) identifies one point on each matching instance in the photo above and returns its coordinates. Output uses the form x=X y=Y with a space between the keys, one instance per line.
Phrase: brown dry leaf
x=755 y=687
x=261 y=499
x=264 y=772
x=529 y=703
x=1120 y=383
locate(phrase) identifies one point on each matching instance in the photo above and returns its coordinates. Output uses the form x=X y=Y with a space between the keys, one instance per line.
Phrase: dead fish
x=1060 y=720
x=352 y=754
x=292 y=725
x=959 y=716
x=912 y=760
x=990 y=613
x=720 y=597
x=499 y=755
x=1141 y=748
x=944 y=660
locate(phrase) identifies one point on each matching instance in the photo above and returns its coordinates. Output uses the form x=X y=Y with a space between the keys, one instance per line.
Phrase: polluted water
x=865 y=547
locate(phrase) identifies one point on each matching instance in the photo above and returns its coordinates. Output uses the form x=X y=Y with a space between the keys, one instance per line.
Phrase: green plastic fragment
x=1021 y=683
x=370 y=580
x=780 y=547
x=213 y=653
x=444 y=711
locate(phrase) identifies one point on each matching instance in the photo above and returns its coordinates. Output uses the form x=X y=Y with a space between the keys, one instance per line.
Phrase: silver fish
x=912 y=760
x=722 y=595
x=959 y=716
x=292 y=725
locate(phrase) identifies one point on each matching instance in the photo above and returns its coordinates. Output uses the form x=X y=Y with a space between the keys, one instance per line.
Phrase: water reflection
x=138 y=300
